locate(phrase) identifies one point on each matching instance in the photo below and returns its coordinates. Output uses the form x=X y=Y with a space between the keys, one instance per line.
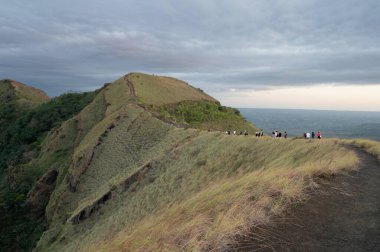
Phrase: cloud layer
x=217 y=45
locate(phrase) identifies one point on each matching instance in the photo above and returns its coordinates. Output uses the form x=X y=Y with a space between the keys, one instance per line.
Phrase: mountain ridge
x=144 y=164
x=21 y=94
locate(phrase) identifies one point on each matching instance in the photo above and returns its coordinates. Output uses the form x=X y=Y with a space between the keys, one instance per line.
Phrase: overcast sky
x=246 y=53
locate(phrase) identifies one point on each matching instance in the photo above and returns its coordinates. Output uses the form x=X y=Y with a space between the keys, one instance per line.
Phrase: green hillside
x=143 y=164
x=20 y=94
x=23 y=131
x=15 y=98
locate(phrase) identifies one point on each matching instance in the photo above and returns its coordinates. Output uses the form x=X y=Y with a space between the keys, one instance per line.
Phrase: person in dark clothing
x=279 y=134
x=286 y=135
x=312 y=135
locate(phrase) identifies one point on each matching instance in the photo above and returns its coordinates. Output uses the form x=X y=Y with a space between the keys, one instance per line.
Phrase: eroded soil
x=342 y=215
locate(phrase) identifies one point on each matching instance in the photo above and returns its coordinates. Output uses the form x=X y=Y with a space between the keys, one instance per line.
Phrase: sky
x=309 y=54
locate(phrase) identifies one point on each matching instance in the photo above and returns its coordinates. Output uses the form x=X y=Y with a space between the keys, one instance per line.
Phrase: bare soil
x=342 y=215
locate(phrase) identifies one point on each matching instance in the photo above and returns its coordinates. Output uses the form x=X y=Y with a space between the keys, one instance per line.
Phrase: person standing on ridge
x=319 y=135
x=285 y=135
x=312 y=135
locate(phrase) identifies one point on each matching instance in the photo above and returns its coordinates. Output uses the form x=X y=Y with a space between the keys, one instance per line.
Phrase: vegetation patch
x=21 y=138
x=204 y=115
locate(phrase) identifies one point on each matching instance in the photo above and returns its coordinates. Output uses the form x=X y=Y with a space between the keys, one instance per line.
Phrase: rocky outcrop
x=39 y=196
x=125 y=185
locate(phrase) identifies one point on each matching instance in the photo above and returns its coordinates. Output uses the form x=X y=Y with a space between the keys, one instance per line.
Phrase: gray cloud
x=216 y=45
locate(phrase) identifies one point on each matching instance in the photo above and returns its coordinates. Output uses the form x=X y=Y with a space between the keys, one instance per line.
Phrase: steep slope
x=23 y=129
x=110 y=140
x=145 y=166
x=140 y=175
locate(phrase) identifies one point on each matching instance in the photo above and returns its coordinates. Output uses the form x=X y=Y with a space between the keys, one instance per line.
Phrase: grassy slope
x=22 y=95
x=29 y=96
x=160 y=90
x=20 y=142
x=178 y=103
x=202 y=187
x=204 y=191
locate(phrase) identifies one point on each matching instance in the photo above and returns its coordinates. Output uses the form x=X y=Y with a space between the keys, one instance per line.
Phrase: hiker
x=273 y=134
x=279 y=134
x=319 y=135
x=304 y=135
x=308 y=135
x=245 y=133
x=285 y=135
x=312 y=135
x=262 y=133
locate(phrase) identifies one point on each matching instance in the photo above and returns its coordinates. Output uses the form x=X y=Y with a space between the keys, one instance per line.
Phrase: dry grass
x=194 y=205
x=372 y=147
x=210 y=218
x=160 y=90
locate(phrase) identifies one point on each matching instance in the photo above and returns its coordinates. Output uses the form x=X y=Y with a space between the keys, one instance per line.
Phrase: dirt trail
x=343 y=215
x=130 y=85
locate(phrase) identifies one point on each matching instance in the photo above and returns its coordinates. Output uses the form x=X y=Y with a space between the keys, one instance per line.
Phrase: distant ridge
x=20 y=94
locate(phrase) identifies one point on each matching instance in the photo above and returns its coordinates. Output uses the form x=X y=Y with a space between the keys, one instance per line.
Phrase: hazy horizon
x=332 y=123
x=269 y=108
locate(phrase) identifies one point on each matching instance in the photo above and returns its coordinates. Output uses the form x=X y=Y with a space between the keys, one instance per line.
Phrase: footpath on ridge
x=130 y=85
x=342 y=215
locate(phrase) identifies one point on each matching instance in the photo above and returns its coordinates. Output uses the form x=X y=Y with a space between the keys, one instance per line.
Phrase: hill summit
x=15 y=92
x=144 y=164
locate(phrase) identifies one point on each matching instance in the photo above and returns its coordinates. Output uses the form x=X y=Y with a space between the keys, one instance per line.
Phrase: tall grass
x=372 y=147
x=207 y=190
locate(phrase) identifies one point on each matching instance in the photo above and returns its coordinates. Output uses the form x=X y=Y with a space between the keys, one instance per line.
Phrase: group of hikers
x=234 y=132
x=275 y=134
x=312 y=135
x=259 y=133
x=279 y=134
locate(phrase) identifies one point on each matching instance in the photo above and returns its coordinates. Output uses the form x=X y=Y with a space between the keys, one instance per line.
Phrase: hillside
x=24 y=96
x=23 y=130
x=145 y=165
x=15 y=98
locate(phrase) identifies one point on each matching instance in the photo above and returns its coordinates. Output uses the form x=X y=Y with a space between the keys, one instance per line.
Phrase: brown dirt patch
x=342 y=215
